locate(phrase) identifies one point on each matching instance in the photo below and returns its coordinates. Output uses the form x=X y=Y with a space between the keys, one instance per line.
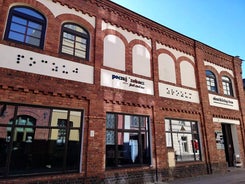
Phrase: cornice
x=43 y=92
x=181 y=110
x=118 y=102
x=127 y=15
x=213 y=52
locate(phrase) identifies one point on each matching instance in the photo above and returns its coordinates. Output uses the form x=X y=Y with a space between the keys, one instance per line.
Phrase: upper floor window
x=227 y=86
x=26 y=25
x=75 y=41
x=211 y=81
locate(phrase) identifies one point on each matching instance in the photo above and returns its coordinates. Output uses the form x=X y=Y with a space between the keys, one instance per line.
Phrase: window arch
x=187 y=73
x=227 y=86
x=75 y=40
x=211 y=81
x=26 y=25
x=166 y=67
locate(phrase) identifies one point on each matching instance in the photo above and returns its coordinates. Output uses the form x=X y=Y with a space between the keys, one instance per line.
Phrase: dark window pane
x=19 y=20
x=33 y=41
x=16 y=36
x=18 y=28
x=33 y=33
x=35 y=26
x=34 y=141
x=127 y=144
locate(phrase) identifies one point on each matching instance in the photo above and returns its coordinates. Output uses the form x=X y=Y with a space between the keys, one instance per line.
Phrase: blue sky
x=217 y=23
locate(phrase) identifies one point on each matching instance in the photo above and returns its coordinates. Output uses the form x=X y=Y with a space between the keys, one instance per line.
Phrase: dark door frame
x=228 y=144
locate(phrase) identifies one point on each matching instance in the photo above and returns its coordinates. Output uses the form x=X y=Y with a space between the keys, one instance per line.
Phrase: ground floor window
x=127 y=140
x=183 y=137
x=36 y=140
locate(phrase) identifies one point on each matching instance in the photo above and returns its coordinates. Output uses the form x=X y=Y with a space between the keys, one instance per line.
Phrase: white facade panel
x=178 y=93
x=58 y=9
x=32 y=62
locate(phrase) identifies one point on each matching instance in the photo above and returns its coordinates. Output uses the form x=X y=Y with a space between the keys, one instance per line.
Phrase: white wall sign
x=178 y=93
x=220 y=101
x=32 y=62
x=126 y=82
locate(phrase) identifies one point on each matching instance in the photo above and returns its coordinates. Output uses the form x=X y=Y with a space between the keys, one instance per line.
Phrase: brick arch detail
x=115 y=33
x=129 y=59
x=170 y=54
x=178 y=61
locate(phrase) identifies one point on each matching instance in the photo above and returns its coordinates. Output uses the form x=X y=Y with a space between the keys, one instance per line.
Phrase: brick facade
x=101 y=19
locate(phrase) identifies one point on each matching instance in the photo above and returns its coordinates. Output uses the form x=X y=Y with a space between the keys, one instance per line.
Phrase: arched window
x=211 y=81
x=26 y=25
x=75 y=41
x=227 y=86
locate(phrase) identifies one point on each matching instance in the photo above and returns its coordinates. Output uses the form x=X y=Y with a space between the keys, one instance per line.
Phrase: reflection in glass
x=130 y=145
x=183 y=137
x=38 y=140
x=74 y=40
x=26 y=26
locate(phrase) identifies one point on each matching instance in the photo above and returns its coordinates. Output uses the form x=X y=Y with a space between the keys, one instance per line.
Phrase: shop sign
x=224 y=102
x=126 y=82
x=178 y=93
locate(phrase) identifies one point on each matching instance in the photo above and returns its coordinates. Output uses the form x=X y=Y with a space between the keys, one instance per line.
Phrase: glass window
x=39 y=140
x=211 y=81
x=183 y=137
x=127 y=140
x=75 y=41
x=26 y=25
x=227 y=86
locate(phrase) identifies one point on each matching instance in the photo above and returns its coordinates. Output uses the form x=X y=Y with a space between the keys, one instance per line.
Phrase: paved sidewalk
x=233 y=176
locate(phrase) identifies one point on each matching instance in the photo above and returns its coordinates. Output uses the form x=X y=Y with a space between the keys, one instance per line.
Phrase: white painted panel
x=178 y=93
x=228 y=121
x=128 y=35
x=141 y=61
x=126 y=82
x=187 y=74
x=220 y=101
x=114 y=52
x=58 y=9
x=166 y=66
x=32 y=62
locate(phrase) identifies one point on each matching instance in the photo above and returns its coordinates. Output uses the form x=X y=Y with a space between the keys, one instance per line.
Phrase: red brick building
x=91 y=92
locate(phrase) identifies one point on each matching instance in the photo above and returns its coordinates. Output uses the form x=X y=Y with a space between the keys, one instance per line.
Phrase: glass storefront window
x=36 y=140
x=127 y=140
x=183 y=137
